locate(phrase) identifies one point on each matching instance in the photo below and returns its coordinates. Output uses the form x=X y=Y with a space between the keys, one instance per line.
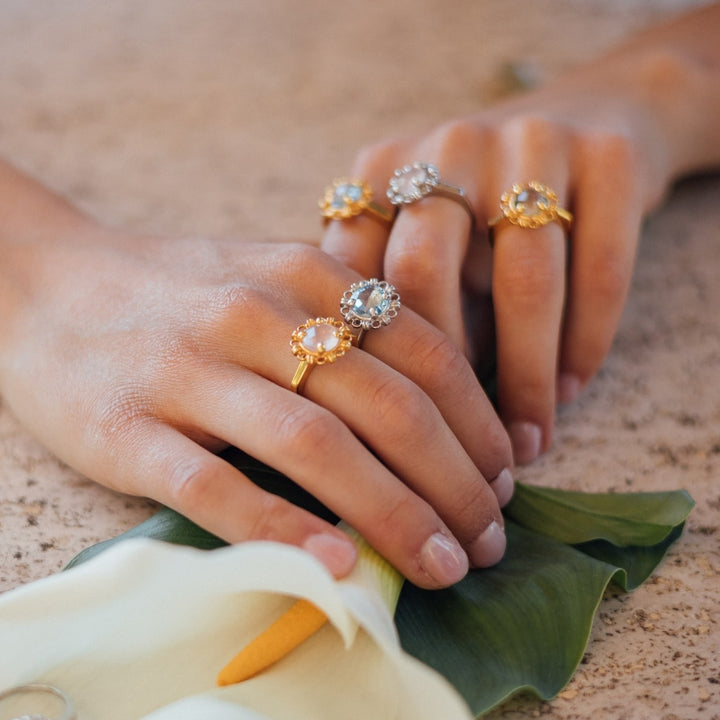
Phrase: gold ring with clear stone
x=416 y=181
x=318 y=341
x=530 y=205
x=368 y=305
x=346 y=199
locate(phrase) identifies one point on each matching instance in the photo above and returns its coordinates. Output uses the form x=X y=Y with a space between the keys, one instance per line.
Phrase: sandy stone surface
x=228 y=117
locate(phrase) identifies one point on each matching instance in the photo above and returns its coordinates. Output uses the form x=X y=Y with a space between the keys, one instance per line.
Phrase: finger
x=404 y=428
x=528 y=291
x=424 y=258
x=436 y=192
x=316 y=449
x=359 y=242
x=221 y=499
x=416 y=349
x=422 y=353
x=605 y=238
x=425 y=355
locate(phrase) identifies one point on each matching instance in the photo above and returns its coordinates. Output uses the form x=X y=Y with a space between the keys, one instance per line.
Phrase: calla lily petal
x=141 y=630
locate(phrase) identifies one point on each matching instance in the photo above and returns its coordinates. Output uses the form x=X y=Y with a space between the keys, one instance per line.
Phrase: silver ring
x=67 y=711
x=368 y=305
x=419 y=180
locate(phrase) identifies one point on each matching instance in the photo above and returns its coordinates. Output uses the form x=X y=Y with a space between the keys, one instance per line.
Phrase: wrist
x=36 y=229
x=680 y=95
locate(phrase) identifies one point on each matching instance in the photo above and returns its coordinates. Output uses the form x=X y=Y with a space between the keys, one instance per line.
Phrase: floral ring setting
x=530 y=205
x=346 y=199
x=411 y=183
x=318 y=341
x=369 y=305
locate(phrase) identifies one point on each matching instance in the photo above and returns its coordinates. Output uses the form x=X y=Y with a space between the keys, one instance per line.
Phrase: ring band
x=530 y=205
x=67 y=712
x=412 y=183
x=368 y=305
x=317 y=342
x=346 y=199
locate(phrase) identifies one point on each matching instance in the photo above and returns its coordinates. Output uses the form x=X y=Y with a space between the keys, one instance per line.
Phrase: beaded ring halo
x=318 y=341
x=368 y=305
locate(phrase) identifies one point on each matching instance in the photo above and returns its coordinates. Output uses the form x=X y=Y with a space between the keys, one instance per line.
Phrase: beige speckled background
x=229 y=116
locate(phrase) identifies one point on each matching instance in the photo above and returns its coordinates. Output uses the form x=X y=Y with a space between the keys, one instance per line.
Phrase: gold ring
x=419 y=180
x=317 y=342
x=346 y=199
x=368 y=305
x=530 y=205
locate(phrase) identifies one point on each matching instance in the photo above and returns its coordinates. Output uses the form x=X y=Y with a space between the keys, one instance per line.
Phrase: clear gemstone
x=533 y=201
x=408 y=182
x=320 y=337
x=338 y=199
x=369 y=301
x=354 y=192
x=345 y=192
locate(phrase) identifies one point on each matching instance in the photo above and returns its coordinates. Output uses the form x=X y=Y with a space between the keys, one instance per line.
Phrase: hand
x=133 y=358
x=555 y=301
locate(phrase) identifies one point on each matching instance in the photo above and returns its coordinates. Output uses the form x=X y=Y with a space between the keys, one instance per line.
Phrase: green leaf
x=620 y=518
x=524 y=624
x=637 y=561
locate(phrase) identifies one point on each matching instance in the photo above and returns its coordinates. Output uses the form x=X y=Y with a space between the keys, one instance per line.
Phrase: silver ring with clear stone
x=64 y=711
x=368 y=305
x=419 y=180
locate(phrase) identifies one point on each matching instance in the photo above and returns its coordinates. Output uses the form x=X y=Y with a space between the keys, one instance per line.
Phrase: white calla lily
x=142 y=630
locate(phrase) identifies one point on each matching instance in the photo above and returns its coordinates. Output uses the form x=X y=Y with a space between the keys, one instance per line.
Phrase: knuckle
x=609 y=274
x=270 y=517
x=469 y=510
x=531 y=395
x=401 y=408
x=225 y=307
x=614 y=150
x=440 y=361
x=527 y=130
x=457 y=135
x=496 y=438
x=190 y=480
x=295 y=259
x=396 y=515
x=307 y=433
x=233 y=298
x=114 y=416
x=412 y=265
x=374 y=157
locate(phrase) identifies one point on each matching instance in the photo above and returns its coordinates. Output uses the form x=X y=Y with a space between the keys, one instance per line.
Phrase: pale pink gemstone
x=533 y=202
x=320 y=337
x=408 y=182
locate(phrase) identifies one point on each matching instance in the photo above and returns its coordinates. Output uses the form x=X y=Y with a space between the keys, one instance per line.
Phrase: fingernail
x=336 y=554
x=489 y=548
x=526 y=439
x=568 y=388
x=503 y=486
x=443 y=559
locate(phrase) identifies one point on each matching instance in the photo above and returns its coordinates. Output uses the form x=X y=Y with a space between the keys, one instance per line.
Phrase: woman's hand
x=608 y=139
x=133 y=358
